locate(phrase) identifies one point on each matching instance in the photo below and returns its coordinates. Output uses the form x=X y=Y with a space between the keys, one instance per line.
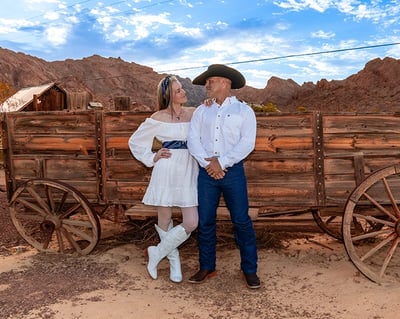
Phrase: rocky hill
x=376 y=88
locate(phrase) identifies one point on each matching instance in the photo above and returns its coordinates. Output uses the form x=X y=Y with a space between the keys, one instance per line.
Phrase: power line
x=290 y=56
x=258 y=60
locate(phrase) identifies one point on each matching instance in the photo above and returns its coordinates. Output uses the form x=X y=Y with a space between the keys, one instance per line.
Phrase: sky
x=302 y=40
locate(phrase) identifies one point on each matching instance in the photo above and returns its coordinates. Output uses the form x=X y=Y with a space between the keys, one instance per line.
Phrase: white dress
x=173 y=181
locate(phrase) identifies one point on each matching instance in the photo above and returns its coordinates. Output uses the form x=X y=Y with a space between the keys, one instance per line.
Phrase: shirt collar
x=229 y=100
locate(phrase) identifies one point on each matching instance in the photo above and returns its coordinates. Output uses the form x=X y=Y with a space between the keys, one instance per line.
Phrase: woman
x=173 y=181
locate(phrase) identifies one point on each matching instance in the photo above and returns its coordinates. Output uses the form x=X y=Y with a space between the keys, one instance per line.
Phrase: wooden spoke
x=371 y=226
x=374 y=220
x=380 y=207
x=389 y=256
x=370 y=235
x=375 y=249
x=38 y=200
x=33 y=208
x=54 y=217
x=392 y=200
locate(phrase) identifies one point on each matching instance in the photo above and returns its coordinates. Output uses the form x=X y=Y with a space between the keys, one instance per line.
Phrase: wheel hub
x=397 y=227
x=47 y=227
x=50 y=223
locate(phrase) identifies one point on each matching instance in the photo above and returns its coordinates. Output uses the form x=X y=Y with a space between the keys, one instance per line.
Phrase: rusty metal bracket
x=319 y=159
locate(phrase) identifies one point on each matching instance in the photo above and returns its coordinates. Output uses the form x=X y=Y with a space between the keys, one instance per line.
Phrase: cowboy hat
x=223 y=71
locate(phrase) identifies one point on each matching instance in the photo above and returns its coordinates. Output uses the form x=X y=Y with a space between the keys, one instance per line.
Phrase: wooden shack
x=46 y=97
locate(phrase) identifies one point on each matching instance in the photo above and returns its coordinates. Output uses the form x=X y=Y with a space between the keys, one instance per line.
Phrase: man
x=220 y=137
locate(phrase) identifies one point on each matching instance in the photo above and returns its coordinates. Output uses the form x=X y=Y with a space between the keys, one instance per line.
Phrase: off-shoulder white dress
x=173 y=180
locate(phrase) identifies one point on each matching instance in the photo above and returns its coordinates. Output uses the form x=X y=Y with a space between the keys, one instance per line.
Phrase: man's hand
x=214 y=169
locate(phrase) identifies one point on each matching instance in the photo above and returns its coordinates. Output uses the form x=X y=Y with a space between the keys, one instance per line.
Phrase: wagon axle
x=49 y=226
x=397 y=228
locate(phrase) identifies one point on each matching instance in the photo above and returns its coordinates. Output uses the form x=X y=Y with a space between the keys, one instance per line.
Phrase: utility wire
x=257 y=60
x=290 y=56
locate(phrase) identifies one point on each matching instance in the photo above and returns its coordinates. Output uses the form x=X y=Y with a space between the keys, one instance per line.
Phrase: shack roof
x=23 y=97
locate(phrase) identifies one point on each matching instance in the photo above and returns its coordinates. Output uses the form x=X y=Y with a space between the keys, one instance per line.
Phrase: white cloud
x=52 y=15
x=105 y=22
x=322 y=34
x=371 y=10
x=119 y=33
x=193 y=32
x=12 y=25
x=146 y=23
x=319 y=5
x=57 y=35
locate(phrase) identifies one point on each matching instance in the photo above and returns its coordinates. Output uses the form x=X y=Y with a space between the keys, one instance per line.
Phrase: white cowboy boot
x=171 y=240
x=173 y=257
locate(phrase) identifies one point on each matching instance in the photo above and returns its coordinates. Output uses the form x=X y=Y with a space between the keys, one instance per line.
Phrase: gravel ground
x=51 y=278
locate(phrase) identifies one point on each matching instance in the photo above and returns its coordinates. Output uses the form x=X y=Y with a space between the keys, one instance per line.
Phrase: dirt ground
x=304 y=275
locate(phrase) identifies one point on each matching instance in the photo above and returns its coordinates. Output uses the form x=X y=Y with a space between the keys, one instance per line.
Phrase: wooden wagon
x=62 y=166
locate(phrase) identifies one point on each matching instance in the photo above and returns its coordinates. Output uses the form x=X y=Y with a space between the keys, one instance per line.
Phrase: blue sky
x=261 y=38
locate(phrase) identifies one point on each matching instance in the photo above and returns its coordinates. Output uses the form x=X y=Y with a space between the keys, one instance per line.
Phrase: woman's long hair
x=164 y=92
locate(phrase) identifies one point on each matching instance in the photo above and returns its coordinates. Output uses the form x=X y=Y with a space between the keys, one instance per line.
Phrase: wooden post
x=35 y=102
x=122 y=103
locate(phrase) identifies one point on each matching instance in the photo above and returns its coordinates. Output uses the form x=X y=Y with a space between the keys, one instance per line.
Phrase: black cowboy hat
x=223 y=71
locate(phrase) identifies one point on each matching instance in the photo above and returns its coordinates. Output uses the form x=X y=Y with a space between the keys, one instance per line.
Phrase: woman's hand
x=209 y=101
x=162 y=153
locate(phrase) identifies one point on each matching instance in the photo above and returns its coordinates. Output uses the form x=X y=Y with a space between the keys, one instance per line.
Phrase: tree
x=5 y=91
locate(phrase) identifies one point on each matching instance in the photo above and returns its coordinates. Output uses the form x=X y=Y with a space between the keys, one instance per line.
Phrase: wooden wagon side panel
x=280 y=171
x=56 y=145
x=125 y=179
x=355 y=145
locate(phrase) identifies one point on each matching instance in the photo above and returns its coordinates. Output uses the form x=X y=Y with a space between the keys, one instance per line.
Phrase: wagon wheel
x=54 y=217
x=330 y=223
x=371 y=225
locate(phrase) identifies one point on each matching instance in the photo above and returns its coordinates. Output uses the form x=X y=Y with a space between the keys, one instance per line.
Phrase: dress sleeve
x=141 y=141
x=194 y=138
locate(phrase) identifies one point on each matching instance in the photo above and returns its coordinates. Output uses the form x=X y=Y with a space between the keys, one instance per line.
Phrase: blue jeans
x=234 y=189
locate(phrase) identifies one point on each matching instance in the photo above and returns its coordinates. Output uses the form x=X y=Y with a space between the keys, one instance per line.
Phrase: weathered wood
x=296 y=155
x=122 y=103
x=141 y=211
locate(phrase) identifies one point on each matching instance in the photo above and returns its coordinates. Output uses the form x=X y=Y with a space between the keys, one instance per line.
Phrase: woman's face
x=178 y=93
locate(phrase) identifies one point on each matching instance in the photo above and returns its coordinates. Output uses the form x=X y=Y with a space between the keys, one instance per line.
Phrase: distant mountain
x=376 y=88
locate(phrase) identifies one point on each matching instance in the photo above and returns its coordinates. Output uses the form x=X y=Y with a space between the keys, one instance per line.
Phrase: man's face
x=214 y=85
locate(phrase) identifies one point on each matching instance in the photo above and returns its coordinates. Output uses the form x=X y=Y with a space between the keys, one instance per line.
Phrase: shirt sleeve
x=194 y=144
x=246 y=143
x=141 y=142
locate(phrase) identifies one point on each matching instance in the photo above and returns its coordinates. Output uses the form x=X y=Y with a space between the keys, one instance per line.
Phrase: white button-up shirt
x=226 y=131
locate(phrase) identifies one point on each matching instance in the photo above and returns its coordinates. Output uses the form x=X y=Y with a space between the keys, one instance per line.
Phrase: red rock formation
x=376 y=88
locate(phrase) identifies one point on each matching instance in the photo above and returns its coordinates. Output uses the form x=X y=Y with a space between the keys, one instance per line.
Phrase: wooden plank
x=125 y=170
x=53 y=144
x=259 y=169
x=361 y=142
x=123 y=123
x=361 y=123
x=141 y=211
x=279 y=143
x=71 y=169
x=57 y=122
